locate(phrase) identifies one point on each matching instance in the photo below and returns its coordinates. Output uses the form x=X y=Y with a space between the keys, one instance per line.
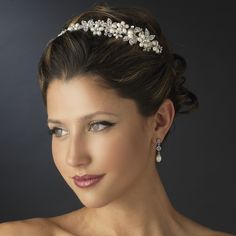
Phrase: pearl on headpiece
x=119 y=30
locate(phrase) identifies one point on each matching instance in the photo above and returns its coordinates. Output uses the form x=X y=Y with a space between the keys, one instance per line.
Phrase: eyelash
x=106 y=123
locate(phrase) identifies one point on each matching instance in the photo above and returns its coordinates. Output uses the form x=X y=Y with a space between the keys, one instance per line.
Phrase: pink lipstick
x=87 y=180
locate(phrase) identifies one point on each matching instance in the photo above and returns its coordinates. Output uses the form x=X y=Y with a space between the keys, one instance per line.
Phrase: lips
x=87 y=180
x=86 y=177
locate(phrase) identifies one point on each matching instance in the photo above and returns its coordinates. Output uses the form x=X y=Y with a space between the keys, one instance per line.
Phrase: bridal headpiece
x=133 y=34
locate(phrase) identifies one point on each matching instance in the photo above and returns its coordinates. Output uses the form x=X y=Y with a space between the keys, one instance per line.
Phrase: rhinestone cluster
x=119 y=30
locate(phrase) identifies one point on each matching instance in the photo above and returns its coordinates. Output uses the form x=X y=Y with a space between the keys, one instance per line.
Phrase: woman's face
x=119 y=147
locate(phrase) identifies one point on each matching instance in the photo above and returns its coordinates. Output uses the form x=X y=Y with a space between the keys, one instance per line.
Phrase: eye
x=56 y=131
x=100 y=123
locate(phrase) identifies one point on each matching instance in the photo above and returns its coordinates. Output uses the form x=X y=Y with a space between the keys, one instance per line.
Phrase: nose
x=77 y=154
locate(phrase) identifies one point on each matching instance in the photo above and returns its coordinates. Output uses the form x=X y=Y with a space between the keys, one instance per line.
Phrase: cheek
x=57 y=154
x=122 y=152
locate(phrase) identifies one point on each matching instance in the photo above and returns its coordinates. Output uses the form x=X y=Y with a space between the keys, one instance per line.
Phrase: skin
x=130 y=199
x=125 y=152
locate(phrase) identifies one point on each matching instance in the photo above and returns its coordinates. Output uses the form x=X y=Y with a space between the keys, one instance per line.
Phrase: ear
x=163 y=120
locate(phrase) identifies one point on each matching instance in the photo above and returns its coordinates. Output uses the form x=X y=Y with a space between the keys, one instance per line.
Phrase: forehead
x=78 y=90
x=83 y=95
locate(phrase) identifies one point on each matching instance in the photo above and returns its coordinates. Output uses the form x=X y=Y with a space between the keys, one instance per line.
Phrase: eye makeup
x=53 y=131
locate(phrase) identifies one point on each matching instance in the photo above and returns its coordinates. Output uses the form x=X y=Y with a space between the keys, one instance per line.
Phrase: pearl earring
x=158 y=148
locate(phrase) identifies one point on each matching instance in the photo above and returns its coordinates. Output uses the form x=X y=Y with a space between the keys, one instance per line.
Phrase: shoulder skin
x=29 y=227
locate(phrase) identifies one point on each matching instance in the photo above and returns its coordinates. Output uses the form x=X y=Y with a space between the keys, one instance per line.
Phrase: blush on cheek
x=120 y=156
x=116 y=160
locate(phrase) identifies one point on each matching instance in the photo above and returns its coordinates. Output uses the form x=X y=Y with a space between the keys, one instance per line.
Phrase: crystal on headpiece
x=132 y=34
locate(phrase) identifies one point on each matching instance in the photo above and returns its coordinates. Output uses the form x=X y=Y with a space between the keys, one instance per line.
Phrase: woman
x=112 y=88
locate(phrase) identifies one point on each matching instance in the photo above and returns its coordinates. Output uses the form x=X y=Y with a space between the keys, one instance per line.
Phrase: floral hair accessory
x=133 y=34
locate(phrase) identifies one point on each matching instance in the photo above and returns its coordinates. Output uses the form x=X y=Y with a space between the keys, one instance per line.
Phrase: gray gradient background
x=198 y=168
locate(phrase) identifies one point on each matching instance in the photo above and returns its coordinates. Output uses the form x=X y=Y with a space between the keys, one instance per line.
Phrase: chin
x=94 y=203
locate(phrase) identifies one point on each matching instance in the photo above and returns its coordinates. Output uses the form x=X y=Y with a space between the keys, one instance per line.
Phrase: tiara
x=119 y=30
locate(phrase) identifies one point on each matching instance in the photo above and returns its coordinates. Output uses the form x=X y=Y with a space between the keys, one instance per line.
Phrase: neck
x=144 y=210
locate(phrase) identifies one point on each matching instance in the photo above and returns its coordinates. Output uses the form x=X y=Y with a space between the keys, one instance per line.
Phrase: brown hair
x=146 y=77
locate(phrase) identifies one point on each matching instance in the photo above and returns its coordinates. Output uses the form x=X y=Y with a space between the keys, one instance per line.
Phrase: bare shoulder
x=33 y=226
x=201 y=229
x=212 y=232
x=220 y=233
x=62 y=225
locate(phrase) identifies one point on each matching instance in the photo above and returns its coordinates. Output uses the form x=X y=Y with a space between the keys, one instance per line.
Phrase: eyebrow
x=86 y=117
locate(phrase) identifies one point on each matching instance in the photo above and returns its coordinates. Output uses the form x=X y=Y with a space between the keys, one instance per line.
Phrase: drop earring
x=158 y=148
